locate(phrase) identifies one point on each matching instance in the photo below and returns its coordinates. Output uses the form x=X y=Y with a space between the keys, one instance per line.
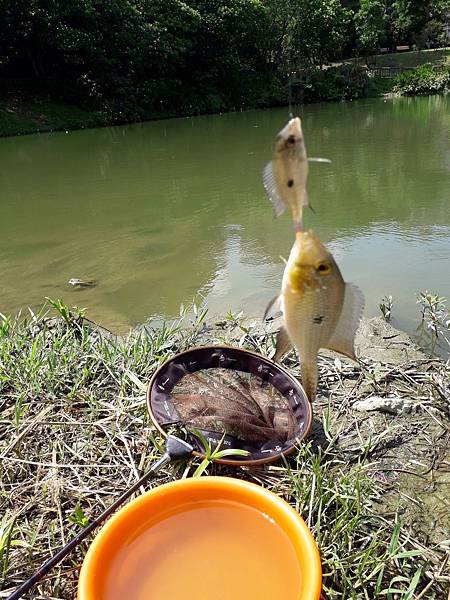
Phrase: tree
x=309 y=32
x=371 y=20
x=412 y=17
x=24 y=31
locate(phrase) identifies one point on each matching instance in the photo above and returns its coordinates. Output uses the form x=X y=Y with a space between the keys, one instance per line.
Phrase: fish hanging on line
x=284 y=178
x=320 y=310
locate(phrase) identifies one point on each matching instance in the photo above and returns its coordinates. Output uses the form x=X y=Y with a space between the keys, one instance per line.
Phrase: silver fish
x=284 y=178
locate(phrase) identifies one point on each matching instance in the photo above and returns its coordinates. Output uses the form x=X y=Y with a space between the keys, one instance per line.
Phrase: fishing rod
x=175 y=449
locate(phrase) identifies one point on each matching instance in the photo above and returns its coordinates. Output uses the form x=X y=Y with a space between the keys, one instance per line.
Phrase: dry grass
x=75 y=433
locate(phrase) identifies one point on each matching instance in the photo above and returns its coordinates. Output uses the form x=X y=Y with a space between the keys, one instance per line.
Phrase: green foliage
x=70 y=317
x=378 y=86
x=435 y=326
x=345 y=82
x=216 y=454
x=398 y=22
x=371 y=24
x=127 y=60
x=423 y=80
x=78 y=517
x=412 y=18
x=39 y=114
x=131 y=58
x=307 y=32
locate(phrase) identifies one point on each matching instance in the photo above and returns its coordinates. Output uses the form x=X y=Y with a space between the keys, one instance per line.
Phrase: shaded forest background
x=135 y=59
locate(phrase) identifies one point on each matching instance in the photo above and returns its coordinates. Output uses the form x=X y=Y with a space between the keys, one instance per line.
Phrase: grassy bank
x=411 y=59
x=75 y=432
x=25 y=108
x=39 y=114
x=29 y=105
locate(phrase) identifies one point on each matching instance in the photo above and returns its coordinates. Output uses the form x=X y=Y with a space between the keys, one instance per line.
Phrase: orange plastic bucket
x=203 y=538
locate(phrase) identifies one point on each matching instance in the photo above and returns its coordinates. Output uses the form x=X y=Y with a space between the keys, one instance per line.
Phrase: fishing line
x=289 y=57
x=291 y=114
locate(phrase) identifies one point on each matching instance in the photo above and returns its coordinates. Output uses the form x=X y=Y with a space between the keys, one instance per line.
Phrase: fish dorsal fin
x=318 y=159
x=344 y=334
x=271 y=188
x=275 y=308
x=283 y=345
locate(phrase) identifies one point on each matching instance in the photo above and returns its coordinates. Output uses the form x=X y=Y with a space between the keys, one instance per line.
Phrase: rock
x=392 y=405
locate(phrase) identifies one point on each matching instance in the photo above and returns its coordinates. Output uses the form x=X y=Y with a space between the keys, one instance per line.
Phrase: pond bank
x=24 y=112
x=75 y=433
x=39 y=115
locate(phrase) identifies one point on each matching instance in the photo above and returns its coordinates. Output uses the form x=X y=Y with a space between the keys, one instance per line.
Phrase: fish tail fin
x=298 y=226
x=297 y=217
x=309 y=379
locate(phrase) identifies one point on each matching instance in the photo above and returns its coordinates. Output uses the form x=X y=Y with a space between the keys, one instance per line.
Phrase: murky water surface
x=159 y=213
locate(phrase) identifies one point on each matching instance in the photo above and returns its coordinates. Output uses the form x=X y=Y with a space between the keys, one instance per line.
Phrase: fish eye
x=323 y=268
x=291 y=139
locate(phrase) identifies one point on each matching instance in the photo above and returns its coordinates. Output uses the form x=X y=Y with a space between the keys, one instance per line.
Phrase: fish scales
x=320 y=309
x=285 y=177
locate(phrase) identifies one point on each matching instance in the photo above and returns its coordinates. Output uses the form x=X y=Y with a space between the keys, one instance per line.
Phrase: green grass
x=74 y=433
x=362 y=553
x=18 y=117
x=378 y=86
x=411 y=59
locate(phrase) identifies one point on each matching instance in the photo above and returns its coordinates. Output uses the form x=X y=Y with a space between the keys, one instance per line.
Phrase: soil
x=408 y=452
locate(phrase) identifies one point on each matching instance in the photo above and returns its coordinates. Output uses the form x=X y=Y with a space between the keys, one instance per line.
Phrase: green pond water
x=163 y=212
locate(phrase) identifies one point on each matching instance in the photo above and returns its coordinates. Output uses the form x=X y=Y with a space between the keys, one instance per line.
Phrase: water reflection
x=159 y=212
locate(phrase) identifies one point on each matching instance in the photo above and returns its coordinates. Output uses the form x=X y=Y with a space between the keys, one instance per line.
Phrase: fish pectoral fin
x=270 y=185
x=274 y=305
x=283 y=344
x=318 y=159
x=344 y=334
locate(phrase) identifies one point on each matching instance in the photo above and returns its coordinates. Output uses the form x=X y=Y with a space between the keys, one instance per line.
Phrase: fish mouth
x=294 y=133
x=308 y=248
x=293 y=128
x=303 y=237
